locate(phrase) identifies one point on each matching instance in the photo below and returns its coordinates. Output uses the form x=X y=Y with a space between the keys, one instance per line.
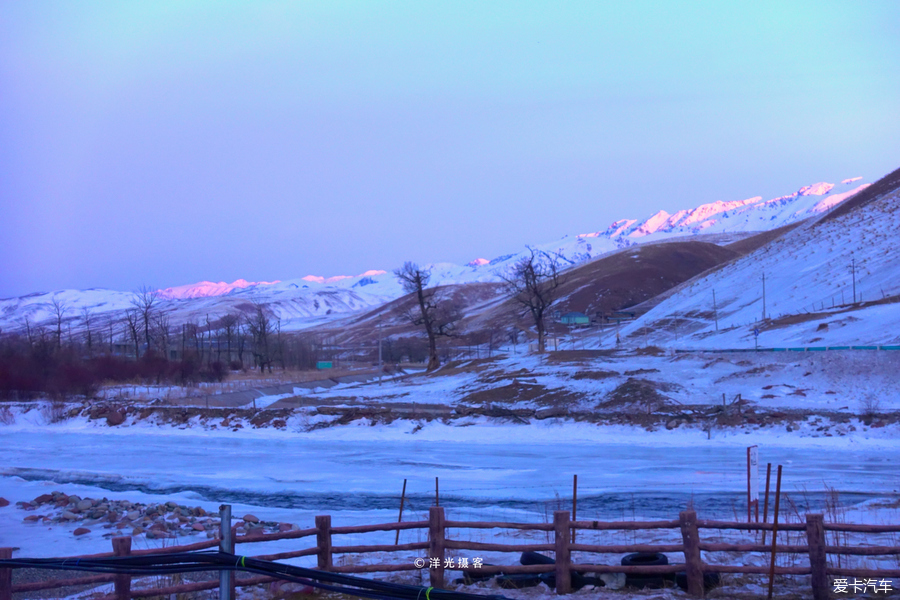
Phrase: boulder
x=82 y=531
x=32 y=518
x=4 y=502
x=116 y=417
x=197 y=527
x=84 y=504
x=68 y=515
x=251 y=519
x=44 y=498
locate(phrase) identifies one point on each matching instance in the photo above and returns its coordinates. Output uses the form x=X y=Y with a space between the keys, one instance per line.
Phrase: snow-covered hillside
x=810 y=275
x=312 y=300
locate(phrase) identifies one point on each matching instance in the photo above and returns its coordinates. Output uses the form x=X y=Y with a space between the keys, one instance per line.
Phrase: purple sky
x=165 y=143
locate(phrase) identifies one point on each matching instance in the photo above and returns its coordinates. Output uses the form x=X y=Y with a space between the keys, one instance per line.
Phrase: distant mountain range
x=313 y=300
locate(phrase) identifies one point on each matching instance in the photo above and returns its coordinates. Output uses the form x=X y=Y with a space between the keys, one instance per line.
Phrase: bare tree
x=145 y=302
x=86 y=318
x=133 y=324
x=230 y=323
x=534 y=283
x=162 y=333
x=59 y=309
x=437 y=314
x=259 y=325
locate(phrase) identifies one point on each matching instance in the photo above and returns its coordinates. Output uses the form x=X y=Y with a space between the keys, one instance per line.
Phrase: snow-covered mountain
x=811 y=277
x=312 y=300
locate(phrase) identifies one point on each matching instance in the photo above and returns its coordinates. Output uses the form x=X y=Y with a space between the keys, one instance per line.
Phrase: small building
x=575 y=318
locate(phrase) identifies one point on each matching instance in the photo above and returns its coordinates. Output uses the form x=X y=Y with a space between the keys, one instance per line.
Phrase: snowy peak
x=204 y=289
x=752 y=214
x=816 y=189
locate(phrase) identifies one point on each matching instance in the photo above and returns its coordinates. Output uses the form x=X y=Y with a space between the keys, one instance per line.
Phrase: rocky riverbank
x=168 y=520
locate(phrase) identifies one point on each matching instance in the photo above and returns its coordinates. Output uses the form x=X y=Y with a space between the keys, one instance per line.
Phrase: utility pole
x=764 y=295
x=853 y=273
x=715 y=310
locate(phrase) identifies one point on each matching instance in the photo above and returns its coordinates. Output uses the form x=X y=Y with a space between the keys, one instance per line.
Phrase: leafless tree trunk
x=88 y=332
x=229 y=324
x=534 y=282
x=59 y=309
x=145 y=302
x=259 y=325
x=132 y=322
x=161 y=333
x=436 y=314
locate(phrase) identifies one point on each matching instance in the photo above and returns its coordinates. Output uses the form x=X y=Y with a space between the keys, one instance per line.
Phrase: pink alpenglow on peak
x=835 y=199
x=206 y=289
x=816 y=189
x=336 y=278
x=478 y=262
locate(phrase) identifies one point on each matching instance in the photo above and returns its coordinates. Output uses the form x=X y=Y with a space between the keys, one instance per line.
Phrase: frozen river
x=359 y=476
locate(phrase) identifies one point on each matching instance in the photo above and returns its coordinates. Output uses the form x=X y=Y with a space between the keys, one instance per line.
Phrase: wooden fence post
x=436 y=544
x=6 y=576
x=815 y=537
x=122 y=547
x=323 y=541
x=693 y=562
x=226 y=544
x=562 y=534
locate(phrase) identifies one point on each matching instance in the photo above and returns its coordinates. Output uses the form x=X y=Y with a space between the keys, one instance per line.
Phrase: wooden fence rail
x=692 y=547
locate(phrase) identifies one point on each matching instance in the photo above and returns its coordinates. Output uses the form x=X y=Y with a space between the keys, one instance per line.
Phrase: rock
x=32 y=518
x=198 y=511
x=198 y=527
x=44 y=498
x=116 y=417
x=134 y=515
x=673 y=424
x=156 y=534
x=82 y=531
x=282 y=527
x=137 y=531
x=73 y=499
x=4 y=502
x=68 y=515
x=85 y=504
x=251 y=519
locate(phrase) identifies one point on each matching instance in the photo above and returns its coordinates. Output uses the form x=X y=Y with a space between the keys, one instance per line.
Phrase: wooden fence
x=816 y=549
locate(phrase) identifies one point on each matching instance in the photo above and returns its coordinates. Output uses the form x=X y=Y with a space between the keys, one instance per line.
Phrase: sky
x=164 y=143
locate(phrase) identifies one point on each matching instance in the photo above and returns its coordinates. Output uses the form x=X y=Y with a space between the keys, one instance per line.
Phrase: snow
x=810 y=275
x=208 y=288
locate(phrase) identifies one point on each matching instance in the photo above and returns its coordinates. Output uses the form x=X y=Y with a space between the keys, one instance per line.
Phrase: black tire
x=644 y=559
x=535 y=558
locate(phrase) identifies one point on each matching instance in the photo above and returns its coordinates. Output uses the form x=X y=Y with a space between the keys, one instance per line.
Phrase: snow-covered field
x=488 y=468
